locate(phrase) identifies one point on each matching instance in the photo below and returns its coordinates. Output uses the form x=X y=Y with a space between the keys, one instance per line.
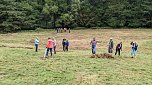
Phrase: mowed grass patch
x=23 y=66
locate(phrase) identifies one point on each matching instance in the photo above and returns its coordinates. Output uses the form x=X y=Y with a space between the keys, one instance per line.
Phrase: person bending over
x=118 y=48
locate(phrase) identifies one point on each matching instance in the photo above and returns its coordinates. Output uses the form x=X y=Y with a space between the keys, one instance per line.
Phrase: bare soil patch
x=105 y=55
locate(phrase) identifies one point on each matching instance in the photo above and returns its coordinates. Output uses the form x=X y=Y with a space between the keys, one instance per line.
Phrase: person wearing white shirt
x=54 y=45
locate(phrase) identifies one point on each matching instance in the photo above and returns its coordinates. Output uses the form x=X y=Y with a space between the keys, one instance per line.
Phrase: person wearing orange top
x=49 y=46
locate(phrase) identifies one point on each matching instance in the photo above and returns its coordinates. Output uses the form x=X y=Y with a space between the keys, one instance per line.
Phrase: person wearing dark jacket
x=118 y=48
x=110 y=46
x=64 y=44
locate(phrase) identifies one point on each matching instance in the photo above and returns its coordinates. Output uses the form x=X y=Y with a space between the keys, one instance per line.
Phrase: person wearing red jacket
x=49 y=46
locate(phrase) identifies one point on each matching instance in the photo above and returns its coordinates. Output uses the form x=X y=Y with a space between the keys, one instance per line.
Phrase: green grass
x=22 y=66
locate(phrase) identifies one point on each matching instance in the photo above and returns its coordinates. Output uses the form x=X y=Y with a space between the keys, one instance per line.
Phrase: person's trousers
x=117 y=50
x=54 y=49
x=63 y=47
x=36 y=47
x=133 y=53
x=67 y=48
x=49 y=49
x=110 y=50
x=93 y=49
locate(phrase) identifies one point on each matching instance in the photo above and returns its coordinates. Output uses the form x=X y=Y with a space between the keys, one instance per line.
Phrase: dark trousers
x=64 y=48
x=117 y=50
x=54 y=49
x=67 y=48
x=36 y=47
x=110 y=50
x=49 y=49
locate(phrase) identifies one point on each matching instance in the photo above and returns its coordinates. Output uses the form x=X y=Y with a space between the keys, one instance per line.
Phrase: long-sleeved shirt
x=54 y=42
x=50 y=44
x=135 y=46
x=63 y=42
x=36 y=41
x=119 y=46
x=111 y=44
x=67 y=43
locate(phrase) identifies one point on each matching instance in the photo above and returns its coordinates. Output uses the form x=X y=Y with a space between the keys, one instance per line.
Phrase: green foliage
x=30 y=14
x=67 y=18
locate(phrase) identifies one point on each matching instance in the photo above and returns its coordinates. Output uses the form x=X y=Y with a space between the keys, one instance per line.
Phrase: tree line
x=31 y=14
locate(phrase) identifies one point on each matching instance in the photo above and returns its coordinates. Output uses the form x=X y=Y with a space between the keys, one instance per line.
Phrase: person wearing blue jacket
x=36 y=44
x=67 y=45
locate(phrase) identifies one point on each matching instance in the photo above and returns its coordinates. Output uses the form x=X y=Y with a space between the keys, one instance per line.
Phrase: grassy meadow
x=21 y=65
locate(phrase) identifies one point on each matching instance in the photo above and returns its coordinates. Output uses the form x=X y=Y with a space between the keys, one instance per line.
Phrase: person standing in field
x=93 y=44
x=57 y=30
x=118 y=48
x=36 y=44
x=69 y=30
x=110 y=46
x=54 y=45
x=67 y=45
x=65 y=29
x=63 y=44
x=134 y=47
x=49 y=47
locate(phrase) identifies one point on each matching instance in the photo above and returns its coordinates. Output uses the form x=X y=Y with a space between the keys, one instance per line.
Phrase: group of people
x=60 y=30
x=51 y=45
x=134 y=47
x=65 y=44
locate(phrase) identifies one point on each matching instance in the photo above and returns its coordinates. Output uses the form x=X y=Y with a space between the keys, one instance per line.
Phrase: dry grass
x=87 y=78
x=79 y=39
x=20 y=65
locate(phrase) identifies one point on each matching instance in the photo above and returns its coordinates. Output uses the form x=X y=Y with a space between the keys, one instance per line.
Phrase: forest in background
x=18 y=15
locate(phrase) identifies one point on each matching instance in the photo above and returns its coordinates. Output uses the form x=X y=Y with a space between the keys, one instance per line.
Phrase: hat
x=110 y=38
